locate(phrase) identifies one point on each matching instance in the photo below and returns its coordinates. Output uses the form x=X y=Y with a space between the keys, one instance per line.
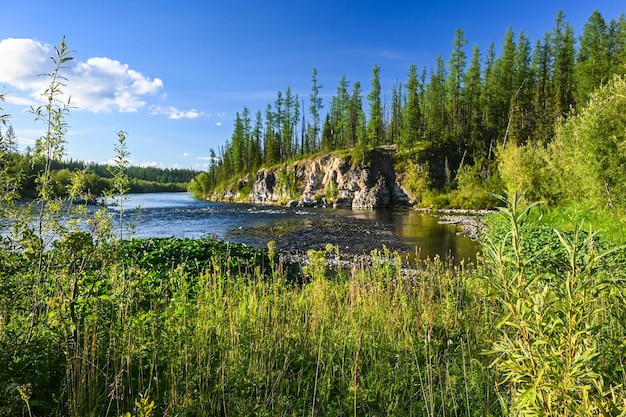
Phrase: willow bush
x=559 y=342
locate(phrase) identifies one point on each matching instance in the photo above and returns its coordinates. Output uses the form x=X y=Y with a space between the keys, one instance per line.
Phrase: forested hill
x=478 y=120
x=97 y=176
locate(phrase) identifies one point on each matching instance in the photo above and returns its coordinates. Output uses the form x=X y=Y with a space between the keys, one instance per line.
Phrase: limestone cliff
x=331 y=180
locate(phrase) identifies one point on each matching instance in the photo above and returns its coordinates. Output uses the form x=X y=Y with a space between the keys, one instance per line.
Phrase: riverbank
x=468 y=221
x=353 y=239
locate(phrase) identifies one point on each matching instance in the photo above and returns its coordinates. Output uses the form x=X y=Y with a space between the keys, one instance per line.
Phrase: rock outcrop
x=331 y=180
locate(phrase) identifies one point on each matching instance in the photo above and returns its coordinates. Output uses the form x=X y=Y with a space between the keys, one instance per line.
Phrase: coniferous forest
x=496 y=118
x=94 y=323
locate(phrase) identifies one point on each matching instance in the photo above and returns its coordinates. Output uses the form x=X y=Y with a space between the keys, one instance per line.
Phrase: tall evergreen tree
x=339 y=115
x=236 y=150
x=394 y=131
x=435 y=105
x=295 y=119
x=543 y=97
x=563 y=77
x=315 y=106
x=617 y=44
x=375 y=123
x=356 y=119
x=593 y=61
x=471 y=103
x=456 y=75
x=411 y=132
x=278 y=124
x=257 y=135
x=519 y=126
x=270 y=142
x=287 y=124
x=488 y=102
x=504 y=68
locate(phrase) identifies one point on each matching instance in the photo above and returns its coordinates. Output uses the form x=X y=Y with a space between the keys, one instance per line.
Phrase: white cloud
x=185 y=154
x=218 y=123
x=149 y=164
x=98 y=85
x=175 y=114
x=20 y=101
x=22 y=61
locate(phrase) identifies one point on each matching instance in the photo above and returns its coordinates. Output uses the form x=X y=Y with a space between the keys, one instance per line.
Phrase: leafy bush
x=193 y=255
x=552 y=339
x=473 y=190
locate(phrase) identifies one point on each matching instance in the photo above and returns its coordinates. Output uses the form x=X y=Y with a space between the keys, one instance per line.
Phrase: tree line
x=460 y=112
x=24 y=167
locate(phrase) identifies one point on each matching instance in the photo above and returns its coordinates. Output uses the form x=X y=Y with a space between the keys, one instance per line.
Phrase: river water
x=180 y=215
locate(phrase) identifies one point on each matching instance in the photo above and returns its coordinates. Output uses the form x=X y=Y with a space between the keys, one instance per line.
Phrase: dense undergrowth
x=201 y=327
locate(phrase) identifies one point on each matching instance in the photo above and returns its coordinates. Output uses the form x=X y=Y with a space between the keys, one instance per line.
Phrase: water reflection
x=178 y=214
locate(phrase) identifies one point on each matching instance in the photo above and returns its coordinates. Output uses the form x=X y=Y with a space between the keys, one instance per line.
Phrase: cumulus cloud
x=174 y=113
x=98 y=85
x=22 y=61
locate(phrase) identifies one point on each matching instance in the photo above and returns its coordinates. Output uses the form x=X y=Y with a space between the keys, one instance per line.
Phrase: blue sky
x=173 y=74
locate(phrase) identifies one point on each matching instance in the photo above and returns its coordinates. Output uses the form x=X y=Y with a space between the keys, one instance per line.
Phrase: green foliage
x=551 y=331
x=590 y=148
x=529 y=169
x=286 y=181
x=162 y=255
x=417 y=182
x=473 y=190
x=331 y=192
x=501 y=110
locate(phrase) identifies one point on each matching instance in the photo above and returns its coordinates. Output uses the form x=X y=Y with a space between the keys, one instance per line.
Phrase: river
x=180 y=215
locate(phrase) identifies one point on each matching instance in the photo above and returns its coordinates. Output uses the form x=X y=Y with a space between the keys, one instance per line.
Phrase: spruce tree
x=375 y=123
x=471 y=103
x=456 y=74
x=563 y=77
x=593 y=60
x=315 y=106
x=411 y=132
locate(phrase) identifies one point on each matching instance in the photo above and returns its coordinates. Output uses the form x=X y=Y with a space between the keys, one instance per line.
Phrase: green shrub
x=551 y=334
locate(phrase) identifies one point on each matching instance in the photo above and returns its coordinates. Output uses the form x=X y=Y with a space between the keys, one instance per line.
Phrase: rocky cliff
x=331 y=180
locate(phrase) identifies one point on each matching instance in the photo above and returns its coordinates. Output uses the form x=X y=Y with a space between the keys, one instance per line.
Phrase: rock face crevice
x=331 y=180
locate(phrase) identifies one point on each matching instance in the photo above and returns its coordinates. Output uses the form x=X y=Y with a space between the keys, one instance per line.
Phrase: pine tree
x=315 y=106
x=456 y=74
x=593 y=61
x=504 y=68
x=543 y=97
x=356 y=118
x=339 y=115
x=435 y=106
x=411 y=131
x=617 y=44
x=375 y=123
x=257 y=135
x=278 y=124
x=471 y=103
x=519 y=124
x=397 y=115
x=287 y=125
x=563 y=77
x=488 y=102
x=270 y=145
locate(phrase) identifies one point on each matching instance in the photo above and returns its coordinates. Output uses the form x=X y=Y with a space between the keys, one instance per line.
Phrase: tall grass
x=366 y=342
x=160 y=332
